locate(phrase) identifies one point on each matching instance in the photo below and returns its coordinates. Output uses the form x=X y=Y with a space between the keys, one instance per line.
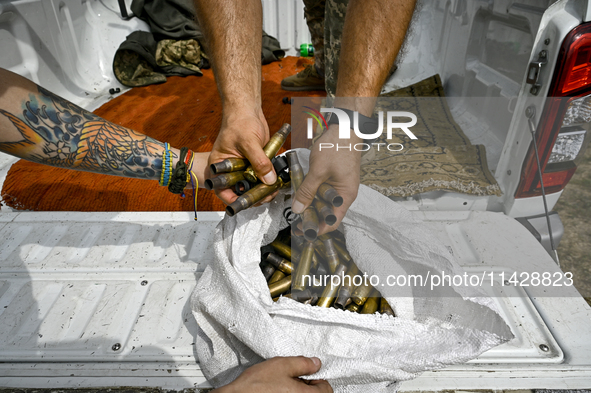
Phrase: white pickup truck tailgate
x=102 y=299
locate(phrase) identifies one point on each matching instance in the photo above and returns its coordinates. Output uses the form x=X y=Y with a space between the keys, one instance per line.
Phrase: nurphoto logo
x=345 y=128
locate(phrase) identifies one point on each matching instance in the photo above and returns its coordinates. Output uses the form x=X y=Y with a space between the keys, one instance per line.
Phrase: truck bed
x=102 y=299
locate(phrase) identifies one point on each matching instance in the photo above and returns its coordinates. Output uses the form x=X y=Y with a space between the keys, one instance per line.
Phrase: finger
x=305 y=194
x=320 y=386
x=260 y=163
x=339 y=213
x=295 y=231
x=297 y=366
x=227 y=195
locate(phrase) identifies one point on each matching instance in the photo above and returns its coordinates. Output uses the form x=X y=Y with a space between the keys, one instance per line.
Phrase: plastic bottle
x=306 y=50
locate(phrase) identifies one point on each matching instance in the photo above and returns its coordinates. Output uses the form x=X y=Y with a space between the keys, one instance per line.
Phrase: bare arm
x=373 y=33
x=39 y=126
x=233 y=30
x=372 y=36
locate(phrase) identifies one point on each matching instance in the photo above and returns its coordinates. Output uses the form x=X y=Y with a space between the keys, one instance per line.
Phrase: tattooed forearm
x=56 y=132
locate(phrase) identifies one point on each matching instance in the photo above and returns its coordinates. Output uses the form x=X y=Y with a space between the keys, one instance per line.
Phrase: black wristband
x=367 y=125
x=179 y=174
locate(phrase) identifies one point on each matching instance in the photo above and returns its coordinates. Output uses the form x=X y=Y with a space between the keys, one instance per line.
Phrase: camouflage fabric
x=133 y=70
x=326 y=19
x=314 y=14
x=184 y=53
x=141 y=60
x=333 y=33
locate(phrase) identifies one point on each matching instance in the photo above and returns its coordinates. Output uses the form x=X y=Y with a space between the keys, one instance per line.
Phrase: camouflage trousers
x=325 y=19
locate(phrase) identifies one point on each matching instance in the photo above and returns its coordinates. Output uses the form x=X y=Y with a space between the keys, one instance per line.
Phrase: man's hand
x=339 y=168
x=279 y=375
x=243 y=135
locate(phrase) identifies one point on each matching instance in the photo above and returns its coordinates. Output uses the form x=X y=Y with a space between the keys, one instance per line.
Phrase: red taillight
x=572 y=80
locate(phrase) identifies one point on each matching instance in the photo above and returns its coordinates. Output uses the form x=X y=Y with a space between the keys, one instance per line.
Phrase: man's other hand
x=339 y=168
x=280 y=374
x=243 y=135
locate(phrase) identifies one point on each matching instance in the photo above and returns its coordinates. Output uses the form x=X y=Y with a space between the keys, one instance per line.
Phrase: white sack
x=240 y=325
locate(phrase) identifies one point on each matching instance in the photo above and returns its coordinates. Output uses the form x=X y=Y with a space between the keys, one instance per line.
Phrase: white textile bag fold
x=240 y=325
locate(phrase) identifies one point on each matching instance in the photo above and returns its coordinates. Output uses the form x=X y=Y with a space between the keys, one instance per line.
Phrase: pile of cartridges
x=320 y=273
x=307 y=272
x=238 y=173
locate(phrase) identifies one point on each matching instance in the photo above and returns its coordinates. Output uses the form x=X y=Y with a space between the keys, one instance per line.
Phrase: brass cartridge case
x=317 y=281
x=353 y=307
x=343 y=253
x=325 y=211
x=343 y=299
x=229 y=165
x=270 y=149
x=279 y=287
x=332 y=257
x=225 y=180
x=296 y=171
x=327 y=193
x=277 y=275
x=252 y=196
x=267 y=270
x=301 y=296
x=282 y=249
x=385 y=307
x=310 y=224
x=330 y=291
x=279 y=263
x=347 y=286
x=277 y=298
x=313 y=300
x=295 y=255
x=304 y=266
x=371 y=304
x=320 y=249
x=361 y=293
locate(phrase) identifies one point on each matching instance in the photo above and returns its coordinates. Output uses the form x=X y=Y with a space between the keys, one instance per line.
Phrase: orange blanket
x=182 y=111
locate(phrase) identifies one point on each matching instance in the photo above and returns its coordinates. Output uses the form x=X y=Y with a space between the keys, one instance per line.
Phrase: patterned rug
x=442 y=158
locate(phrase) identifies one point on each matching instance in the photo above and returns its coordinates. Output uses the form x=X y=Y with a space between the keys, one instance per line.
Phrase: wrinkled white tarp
x=240 y=325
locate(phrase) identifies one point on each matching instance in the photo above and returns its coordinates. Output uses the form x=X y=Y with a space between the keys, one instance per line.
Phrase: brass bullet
x=282 y=249
x=252 y=196
x=371 y=304
x=229 y=165
x=310 y=224
x=343 y=253
x=267 y=270
x=347 y=286
x=278 y=275
x=304 y=266
x=330 y=291
x=301 y=296
x=353 y=307
x=329 y=194
x=279 y=263
x=385 y=307
x=279 y=287
x=361 y=293
x=332 y=257
x=225 y=180
x=295 y=169
x=325 y=211
x=270 y=149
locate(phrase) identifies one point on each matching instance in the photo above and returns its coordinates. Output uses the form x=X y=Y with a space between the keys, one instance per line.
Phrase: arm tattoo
x=56 y=132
